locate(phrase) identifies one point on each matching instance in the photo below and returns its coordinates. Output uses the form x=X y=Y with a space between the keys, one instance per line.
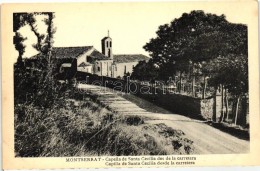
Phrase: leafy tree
x=174 y=40
x=19 y=46
x=145 y=71
x=44 y=41
x=18 y=22
x=232 y=74
x=196 y=37
x=203 y=44
x=39 y=82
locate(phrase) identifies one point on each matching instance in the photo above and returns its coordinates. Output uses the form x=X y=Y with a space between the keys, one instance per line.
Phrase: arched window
x=110 y=44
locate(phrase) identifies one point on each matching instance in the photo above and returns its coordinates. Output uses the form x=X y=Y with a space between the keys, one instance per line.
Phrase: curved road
x=206 y=139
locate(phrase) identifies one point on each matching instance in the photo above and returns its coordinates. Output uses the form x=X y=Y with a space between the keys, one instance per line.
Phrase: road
x=206 y=139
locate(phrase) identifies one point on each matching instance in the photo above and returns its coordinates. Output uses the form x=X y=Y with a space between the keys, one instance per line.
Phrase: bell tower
x=106 y=44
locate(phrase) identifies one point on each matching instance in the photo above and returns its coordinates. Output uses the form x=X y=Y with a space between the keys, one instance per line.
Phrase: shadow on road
x=151 y=107
x=142 y=103
x=239 y=133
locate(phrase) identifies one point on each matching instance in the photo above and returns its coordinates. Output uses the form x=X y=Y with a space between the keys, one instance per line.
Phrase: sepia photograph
x=130 y=84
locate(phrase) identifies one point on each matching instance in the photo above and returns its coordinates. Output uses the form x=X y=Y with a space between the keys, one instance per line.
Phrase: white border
x=248 y=168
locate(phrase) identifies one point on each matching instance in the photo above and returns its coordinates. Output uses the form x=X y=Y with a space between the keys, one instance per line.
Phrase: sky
x=131 y=25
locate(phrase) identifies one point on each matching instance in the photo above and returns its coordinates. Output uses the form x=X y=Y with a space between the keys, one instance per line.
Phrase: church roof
x=125 y=58
x=84 y=64
x=99 y=56
x=106 y=38
x=69 y=52
x=74 y=52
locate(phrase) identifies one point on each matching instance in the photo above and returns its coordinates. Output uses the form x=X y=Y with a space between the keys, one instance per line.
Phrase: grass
x=78 y=126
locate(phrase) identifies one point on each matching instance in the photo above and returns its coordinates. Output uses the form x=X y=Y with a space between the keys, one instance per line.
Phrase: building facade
x=88 y=59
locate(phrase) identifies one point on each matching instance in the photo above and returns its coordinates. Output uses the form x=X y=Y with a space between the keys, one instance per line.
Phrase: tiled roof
x=130 y=58
x=74 y=52
x=83 y=64
x=69 y=52
x=99 y=56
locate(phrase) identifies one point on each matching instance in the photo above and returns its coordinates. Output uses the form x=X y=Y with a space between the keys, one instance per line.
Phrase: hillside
x=75 y=125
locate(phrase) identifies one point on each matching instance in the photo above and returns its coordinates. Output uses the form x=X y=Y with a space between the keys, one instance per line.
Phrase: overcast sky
x=131 y=25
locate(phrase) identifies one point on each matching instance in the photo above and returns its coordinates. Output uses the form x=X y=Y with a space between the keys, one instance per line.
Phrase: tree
x=41 y=82
x=204 y=45
x=18 y=22
x=176 y=39
x=232 y=73
x=145 y=71
x=44 y=41
x=19 y=46
x=196 y=37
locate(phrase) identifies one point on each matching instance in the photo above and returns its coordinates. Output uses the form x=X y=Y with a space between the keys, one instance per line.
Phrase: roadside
x=206 y=139
x=75 y=125
x=151 y=107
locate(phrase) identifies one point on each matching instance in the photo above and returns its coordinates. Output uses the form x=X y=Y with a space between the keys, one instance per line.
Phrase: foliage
x=194 y=38
x=76 y=126
x=145 y=71
x=197 y=36
x=205 y=44
x=34 y=81
x=31 y=87
x=230 y=71
x=44 y=41
x=19 y=46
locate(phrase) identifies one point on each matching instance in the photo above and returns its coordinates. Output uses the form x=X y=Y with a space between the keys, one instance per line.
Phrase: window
x=125 y=70
x=110 y=44
x=98 y=68
x=109 y=53
x=87 y=59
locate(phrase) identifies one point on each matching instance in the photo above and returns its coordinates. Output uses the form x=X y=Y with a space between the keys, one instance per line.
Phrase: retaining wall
x=176 y=103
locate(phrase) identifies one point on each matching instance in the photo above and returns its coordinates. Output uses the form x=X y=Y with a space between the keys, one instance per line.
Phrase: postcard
x=130 y=84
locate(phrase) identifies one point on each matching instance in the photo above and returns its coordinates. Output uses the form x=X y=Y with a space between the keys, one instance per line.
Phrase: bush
x=72 y=129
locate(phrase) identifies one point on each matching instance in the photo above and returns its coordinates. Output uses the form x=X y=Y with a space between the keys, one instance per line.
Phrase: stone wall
x=181 y=104
x=206 y=108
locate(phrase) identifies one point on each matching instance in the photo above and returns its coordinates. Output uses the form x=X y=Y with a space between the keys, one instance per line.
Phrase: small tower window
x=109 y=53
x=110 y=44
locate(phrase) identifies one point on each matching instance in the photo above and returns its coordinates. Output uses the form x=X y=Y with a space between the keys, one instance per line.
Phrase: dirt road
x=206 y=139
